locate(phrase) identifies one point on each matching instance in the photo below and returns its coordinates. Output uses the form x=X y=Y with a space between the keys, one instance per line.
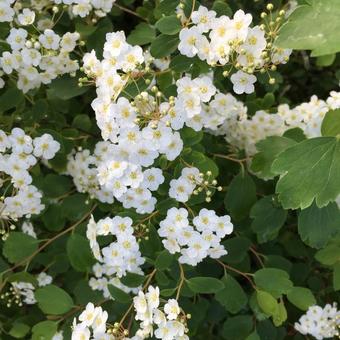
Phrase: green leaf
x=317 y=226
x=329 y=255
x=74 y=207
x=181 y=63
x=163 y=46
x=19 y=330
x=66 y=87
x=269 y=149
x=53 y=218
x=222 y=8
x=301 y=297
x=56 y=185
x=169 y=25
x=241 y=196
x=331 y=123
x=132 y=280
x=309 y=170
x=44 y=330
x=237 y=327
x=281 y=316
x=79 y=253
x=191 y=137
x=326 y=60
x=336 y=277
x=274 y=281
x=53 y=300
x=23 y=277
x=237 y=248
x=301 y=32
x=253 y=336
x=119 y=295
x=267 y=302
x=19 y=246
x=82 y=122
x=10 y=99
x=268 y=219
x=142 y=34
x=232 y=296
x=164 y=260
x=205 y=285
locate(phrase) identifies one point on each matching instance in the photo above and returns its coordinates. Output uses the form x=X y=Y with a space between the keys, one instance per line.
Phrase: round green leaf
x=53 y=300
x=205 y=285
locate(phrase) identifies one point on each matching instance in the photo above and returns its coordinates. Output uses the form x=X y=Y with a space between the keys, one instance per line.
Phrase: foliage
x=253 y=174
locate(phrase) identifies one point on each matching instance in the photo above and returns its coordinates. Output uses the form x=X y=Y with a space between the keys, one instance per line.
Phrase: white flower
x=17 y=38
x=243 y=82
x=27 y=17
x=88 y=316
x=80 y=332
x=203 y=18
x=152 y=297
x=6 y=12
x=172 y=309
x=45 y=146
x=49 y=39
x=188 y=40
x=44 y=279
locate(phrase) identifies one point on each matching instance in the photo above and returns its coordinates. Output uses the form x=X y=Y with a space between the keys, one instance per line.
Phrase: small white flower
x=26 y=17
x=243 y=82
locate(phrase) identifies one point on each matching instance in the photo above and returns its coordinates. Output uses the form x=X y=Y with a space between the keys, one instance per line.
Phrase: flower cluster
x=18 y=153
x=120 y=256
x=245 y=131
x=170 y=322
x=47 y=9
x=320 y=322
x=36 y=58
x=232 y=43
x=192 y=181
x=92 y=318
x=23 y=292
x=82 y=166
x=196 y=242
x=167 y=322
x=103 y=277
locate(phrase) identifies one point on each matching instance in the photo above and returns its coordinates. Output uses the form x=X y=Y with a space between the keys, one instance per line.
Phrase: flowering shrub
x=169 y=169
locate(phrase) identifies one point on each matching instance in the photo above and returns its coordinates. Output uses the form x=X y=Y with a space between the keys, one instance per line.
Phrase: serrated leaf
x=268 y=219
x=309 y=170
x=317 y=226
x=241 y=196
x=301 y=33
x=269 y=149
x=274 y=281
x=232 y=296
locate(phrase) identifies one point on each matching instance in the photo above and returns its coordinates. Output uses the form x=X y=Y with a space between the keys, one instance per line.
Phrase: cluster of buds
x=206 y=184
